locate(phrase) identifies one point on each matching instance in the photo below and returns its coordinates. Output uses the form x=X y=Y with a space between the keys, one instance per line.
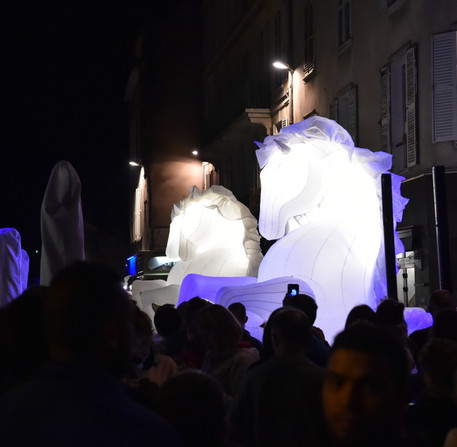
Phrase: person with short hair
x=365 y=391
x=318 y=349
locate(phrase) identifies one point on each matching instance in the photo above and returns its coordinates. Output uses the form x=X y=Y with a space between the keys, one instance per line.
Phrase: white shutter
x=444 y=57
x=385 y=109
x=410 y=101
x=343 y=110
x=139 y=208
x=347 y=111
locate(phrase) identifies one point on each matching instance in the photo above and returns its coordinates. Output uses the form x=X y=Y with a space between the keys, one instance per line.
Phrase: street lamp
x=134 y=163
x=290 y=71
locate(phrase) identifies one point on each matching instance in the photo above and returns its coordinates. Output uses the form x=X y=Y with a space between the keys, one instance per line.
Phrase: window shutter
x=410 y=101
x=385 y=110
x=444 y=87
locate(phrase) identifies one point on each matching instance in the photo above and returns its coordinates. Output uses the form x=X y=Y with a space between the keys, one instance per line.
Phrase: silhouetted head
x=303 y=302
x=88 y=316
x=290 y=331
x=191 y=310
x=218 y=329
x=363 y=312
x=441 y=300
x=239 y=312
x=389 y=315
x=167 y=320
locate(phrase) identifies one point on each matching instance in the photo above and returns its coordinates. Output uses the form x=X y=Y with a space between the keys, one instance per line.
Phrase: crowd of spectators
x=82 y=366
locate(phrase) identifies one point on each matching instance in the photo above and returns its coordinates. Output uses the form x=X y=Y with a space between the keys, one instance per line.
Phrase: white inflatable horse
x=321 y=197
x=321 y=201
x=211 y=233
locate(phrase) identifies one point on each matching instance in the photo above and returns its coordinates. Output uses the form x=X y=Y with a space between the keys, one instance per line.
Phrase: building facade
x=384 y=69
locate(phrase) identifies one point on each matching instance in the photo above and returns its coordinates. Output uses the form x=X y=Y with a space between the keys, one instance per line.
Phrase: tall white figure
x=62 y=223
x=321 y=198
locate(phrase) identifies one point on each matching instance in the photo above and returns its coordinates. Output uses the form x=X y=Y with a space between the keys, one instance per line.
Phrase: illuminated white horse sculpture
x=321 y=197
x=211 y=233
x=214 y=234
x=321 y=200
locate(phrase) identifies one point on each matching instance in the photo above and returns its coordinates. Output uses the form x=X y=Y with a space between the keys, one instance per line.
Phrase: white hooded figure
x=14 y=266
x=62 y=226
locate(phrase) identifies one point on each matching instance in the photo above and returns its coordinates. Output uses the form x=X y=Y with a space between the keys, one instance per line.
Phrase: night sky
x=65 y=69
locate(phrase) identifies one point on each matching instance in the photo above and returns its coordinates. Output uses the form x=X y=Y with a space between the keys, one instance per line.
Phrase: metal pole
x=441 y=228
x=389 y=240
x=291 y=96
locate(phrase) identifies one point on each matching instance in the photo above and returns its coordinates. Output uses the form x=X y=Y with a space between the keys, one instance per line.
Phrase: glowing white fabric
x=14 y=263
x=62 y=224
x=211 y=233
x=321 y=197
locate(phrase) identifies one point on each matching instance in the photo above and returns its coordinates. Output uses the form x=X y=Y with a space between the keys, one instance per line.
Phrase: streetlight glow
x=194 y=152
x=282 y=66
x=133 y=163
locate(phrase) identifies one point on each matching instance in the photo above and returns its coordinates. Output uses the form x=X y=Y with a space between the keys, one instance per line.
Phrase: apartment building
x=386 y=70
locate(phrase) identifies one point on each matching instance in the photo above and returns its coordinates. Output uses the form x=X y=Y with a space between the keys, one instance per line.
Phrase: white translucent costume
x=62 y=225
x=14 y=266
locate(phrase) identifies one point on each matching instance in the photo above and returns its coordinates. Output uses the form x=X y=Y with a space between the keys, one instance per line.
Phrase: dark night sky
x=65 y=67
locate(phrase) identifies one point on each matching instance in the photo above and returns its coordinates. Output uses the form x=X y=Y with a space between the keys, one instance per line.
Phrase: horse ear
x=285 y=149
x=194 y=192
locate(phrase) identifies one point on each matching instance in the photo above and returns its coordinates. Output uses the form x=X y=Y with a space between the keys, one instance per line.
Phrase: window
x=344 y=110
x=309 y=58
x=344 y=22
x=444 y=54
x=398 y=109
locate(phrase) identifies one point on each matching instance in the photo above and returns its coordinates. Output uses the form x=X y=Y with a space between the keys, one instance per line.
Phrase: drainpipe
x=441 y=228
x=389 y=240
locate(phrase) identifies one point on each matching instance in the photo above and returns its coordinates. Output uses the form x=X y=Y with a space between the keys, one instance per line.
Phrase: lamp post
x=283 y=66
